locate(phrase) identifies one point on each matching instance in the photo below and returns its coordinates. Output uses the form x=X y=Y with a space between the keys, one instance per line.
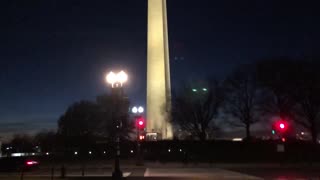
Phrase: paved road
x=282 y=173
x=158 y=173
x=172 y=172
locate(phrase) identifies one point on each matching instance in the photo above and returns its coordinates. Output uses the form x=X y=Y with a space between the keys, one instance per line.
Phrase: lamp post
x=116 y=80
x=139 y=124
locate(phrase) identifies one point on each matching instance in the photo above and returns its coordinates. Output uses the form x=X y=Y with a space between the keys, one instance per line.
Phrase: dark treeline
x=279 y=88
x=84 y=124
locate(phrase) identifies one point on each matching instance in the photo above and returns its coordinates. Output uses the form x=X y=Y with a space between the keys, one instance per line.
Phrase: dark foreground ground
x=177 y=172
x=283 y=173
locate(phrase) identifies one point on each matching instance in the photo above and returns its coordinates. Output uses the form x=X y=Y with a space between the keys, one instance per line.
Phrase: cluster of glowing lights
x=136 y=110
x=117 y=78
x=141 y=137
x=203 y=89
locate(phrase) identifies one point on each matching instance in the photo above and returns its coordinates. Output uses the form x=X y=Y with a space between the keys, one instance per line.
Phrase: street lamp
x=137 y=110
x=116 y=80
x=140 y=125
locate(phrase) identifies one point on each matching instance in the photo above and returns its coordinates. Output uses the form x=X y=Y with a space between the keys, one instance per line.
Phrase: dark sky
x=56 y=52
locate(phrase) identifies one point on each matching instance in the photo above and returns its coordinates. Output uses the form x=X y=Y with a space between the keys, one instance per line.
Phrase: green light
x=194 y=90
x=273 y=132
x=204 y=89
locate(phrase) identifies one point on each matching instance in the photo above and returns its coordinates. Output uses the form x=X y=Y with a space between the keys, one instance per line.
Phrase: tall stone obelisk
x=158 y=71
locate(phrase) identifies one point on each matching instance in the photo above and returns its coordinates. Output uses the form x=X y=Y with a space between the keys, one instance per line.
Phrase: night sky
x=56 y=52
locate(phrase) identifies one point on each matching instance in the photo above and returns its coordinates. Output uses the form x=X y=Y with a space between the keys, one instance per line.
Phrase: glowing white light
x=180 y=150
x=122 y=77
x=76 y=153
x=117 y=78
x=302 y=133
x=18 y=154
x=111 y=78
x=134 y=110
x=90 y=152
x=237 y=139
x=104 y=152
x=47 y=153
x=131 y=151
x=169 y=150
x=140 y=109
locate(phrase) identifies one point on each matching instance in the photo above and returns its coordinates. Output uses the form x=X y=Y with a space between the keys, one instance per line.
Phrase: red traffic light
x=282 y=126
x=140 y=122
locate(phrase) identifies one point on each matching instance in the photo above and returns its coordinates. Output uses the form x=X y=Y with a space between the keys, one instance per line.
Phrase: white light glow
x=134 y=110
x=237 y=139
x=140 y=109
x=117 y=78
x=18 y=154
x=122 y=77
x=111 y=78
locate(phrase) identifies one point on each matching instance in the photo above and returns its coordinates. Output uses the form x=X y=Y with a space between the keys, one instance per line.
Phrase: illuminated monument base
x=158 y=73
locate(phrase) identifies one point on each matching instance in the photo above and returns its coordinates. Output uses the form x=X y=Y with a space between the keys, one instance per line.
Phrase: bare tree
x=276 y=78
x=194 y=109
x=307 y=96
x=293 y=88
x=242 y=98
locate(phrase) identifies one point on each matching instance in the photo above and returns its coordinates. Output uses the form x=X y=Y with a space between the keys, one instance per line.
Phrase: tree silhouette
x=85 y=122
x=22 y=143
x=195 y=109
x=276 y=78
x=47 y=140
x=242 y=98
x=293 y=87
x=307 y=97
x=79 y=120
x=78 y=126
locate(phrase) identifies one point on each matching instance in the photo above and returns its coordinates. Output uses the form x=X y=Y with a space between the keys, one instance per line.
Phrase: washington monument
x=158 y=72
